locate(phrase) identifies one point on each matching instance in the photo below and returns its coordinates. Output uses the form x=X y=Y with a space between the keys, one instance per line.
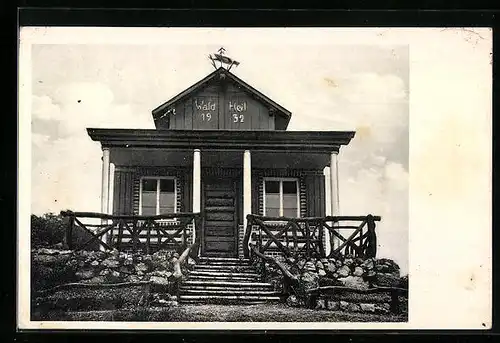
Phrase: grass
x=227 y=313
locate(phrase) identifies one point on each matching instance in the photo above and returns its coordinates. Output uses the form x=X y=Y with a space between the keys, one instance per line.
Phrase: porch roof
x=313 y=141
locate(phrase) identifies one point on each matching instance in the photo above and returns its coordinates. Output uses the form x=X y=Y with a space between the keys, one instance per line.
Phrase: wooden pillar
x=105 y=188
x=334 y=191
x=247 y=186
x=196 y=184
x=111 y=191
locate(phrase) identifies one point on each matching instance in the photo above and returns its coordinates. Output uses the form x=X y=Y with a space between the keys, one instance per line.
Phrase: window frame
x=157 y=178
x=281 y=179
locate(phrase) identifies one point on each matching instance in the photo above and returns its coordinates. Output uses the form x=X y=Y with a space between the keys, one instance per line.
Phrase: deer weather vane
x=223 y=59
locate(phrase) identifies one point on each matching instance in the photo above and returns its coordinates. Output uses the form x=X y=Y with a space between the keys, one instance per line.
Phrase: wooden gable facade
x=221 y=101
x=220 y=148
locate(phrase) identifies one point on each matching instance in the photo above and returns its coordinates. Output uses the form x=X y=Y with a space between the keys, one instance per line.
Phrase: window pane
x=289 y=201
x=272 y=201
x=148 y=211
x=148 y=203
x=272 y=212
x=167 y=202
x=292 y=213
x=167 y=185
x=272 y=187
x=149 y=185
x=289 y=187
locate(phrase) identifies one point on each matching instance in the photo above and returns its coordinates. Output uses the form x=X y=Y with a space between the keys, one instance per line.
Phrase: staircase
x=220 y=280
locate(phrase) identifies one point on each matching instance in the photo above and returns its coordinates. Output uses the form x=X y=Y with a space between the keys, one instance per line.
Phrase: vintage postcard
x=254 y=178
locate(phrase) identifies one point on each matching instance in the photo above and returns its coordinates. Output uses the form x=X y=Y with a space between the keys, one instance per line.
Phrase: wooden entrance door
x=220 y=224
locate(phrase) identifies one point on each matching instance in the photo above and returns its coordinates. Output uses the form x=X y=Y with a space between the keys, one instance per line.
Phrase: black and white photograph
x=218 y=176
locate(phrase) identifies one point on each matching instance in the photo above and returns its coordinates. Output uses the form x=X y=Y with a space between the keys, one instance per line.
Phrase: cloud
x=66 y=168
x=43 y=108
x=380 y=189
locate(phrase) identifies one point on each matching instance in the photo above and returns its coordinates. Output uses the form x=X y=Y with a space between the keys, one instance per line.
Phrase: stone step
x=226 y=299
x=209 y=283
x=223 y=268
x=214 y=259
x=227 y=288
x=223 y=278
x=226 y=302
x=223 y=291
x=223 y=273
x=225 y=265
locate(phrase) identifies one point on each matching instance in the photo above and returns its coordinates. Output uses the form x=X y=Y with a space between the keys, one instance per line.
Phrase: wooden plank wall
x=123 y=197
x=256 y=116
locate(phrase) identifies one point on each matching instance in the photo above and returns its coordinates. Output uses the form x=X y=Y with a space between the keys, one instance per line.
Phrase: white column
x=105 y=181
x=111 y=191
x=247 y=186
x=334 y=190
x=105 y=188
x=196 y=184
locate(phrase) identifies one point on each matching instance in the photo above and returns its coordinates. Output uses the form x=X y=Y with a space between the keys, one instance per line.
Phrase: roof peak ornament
x=224 y=60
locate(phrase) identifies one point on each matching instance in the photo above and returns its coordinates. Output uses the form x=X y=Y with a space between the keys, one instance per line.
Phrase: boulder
x=354 y=282
x=97 y=279
x=331 y=267
x=133 y=278
x=333 y=305
x=352 y=307
x=326 y=281
x=85 y=274
x=104 y=272
x=343 y=305
x=358 y=271
x=348 y=262
x=343 y=271
x=310 y=280
x=368 y=264
x=292 y=301
x=321 y=272
x=385 y=265
x=382 y=308
x=94 y=263
x=367 y=308
x=319 y=265
x=110 y=263
x=387 y=280
x=320 y=304
x=141 y=268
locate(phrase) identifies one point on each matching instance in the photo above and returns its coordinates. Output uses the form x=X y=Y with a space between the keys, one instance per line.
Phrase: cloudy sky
x=325 y=86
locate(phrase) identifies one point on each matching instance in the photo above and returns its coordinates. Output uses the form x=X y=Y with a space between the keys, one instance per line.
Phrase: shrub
x=50 y=230
x=47 y=230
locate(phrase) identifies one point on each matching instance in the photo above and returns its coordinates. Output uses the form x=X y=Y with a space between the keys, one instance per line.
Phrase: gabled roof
x=216 y=75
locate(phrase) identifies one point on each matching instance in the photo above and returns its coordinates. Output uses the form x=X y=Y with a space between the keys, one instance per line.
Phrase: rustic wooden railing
x=171 y=231
x=304 y=236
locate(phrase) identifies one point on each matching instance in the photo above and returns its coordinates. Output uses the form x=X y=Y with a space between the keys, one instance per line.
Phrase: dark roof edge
x=324 y=140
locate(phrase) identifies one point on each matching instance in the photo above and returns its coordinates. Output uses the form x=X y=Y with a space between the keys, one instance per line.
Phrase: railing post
x=184 y=238
x=69 y=232
x=308 y=240
x=134 y=237
x=120 y=234
x=372 y=237
x=148 y=237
